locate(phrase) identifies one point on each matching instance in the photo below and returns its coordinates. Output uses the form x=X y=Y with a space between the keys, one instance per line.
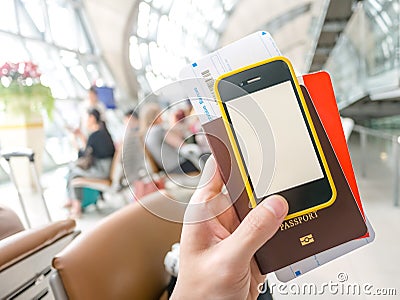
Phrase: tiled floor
x=377 y=264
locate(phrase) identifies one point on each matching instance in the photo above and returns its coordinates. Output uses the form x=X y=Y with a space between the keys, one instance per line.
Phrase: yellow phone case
x=309 y=120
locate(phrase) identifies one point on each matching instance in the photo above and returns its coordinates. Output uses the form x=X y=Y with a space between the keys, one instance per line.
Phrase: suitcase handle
x=25 y=152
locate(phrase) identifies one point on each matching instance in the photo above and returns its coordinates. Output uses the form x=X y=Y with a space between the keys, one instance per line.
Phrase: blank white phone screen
x=296 y=162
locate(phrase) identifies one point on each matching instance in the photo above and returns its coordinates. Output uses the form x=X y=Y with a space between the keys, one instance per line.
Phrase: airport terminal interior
x=102 y=148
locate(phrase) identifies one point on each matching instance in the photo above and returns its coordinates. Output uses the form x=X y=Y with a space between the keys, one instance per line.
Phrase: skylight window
x=175 y=32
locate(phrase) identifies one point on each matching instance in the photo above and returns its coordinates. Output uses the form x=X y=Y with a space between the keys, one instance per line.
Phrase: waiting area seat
x=9 y=222
x=108 y=185
x=25 y=259
x=179 y=185
x=121 y=258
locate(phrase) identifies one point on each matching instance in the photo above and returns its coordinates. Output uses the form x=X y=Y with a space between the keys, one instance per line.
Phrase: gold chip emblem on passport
x=308 y=239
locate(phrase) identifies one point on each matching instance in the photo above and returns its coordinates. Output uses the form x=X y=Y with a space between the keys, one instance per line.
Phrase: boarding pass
x=197 y=79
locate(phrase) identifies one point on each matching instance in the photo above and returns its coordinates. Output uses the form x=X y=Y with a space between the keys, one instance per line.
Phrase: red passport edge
x=319 y=86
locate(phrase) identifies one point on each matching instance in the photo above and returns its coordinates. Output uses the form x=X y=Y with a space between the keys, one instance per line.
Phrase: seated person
x=162 y=145
x=179 y=125
x=132 y=148
x=131 y=120
x=92 y=102
x=101 y=147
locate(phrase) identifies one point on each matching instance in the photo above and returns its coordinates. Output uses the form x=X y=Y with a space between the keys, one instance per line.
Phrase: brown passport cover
x=336 y=224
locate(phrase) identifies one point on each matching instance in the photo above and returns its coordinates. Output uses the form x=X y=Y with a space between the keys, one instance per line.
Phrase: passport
x=337 y=224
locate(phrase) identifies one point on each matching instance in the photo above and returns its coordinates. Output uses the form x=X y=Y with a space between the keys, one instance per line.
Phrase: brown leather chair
x=25 y=259
x=121 y=258
x=9 y=222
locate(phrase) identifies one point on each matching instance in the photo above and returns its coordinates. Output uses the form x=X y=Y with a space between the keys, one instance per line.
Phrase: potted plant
x=21 y=92
x=23 y=98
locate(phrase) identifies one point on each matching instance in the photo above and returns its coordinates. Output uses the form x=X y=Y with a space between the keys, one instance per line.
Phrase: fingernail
x=210 y=164
x=208 y=171
x=277 y=205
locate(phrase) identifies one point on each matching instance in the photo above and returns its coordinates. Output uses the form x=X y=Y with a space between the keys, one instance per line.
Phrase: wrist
x=178 y=293
x=183 y=291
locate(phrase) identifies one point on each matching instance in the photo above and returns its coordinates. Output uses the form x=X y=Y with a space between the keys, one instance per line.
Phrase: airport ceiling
x=288 y=21
x=294 y=24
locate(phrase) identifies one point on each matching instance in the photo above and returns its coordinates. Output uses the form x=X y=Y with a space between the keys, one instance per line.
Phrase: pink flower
x=21 y=71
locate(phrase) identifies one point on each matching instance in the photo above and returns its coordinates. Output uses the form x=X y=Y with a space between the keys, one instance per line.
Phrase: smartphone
x=273 y=137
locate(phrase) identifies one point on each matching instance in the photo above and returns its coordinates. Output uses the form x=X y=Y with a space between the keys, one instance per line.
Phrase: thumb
x=258 y=227
x=210 y=184
x=207 y=201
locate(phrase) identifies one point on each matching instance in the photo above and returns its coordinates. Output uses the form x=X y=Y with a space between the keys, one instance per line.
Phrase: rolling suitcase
x=30 y=155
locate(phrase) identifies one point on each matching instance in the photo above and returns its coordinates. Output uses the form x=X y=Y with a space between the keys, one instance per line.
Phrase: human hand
x=77 y=131
x=216 y=255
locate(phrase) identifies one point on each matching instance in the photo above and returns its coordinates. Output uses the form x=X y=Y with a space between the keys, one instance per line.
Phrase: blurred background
x=55 y=53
